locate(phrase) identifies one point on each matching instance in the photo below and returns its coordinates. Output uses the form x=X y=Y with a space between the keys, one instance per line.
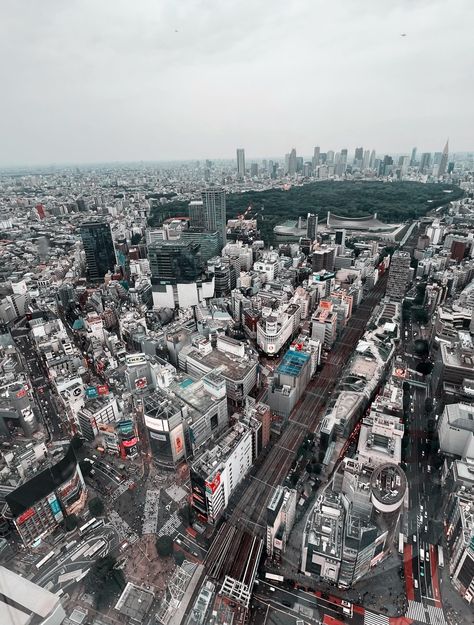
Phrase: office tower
x=240 y=163
x=299 y=164
x=208 y=241
x=425 y=161
x=358 y=156
x=197 y=214
x=330 y=157
x=450 y=167
x=340 y=238
x=404 y=165
x=444 y=160
x=311 y=226
x=292 y=163
x=437 y=158
x=399 y=276
x=343 y=157
x=387 y=164
x=366 y=159
x=99 y=249
x=316 y=156
x=372 y=160
x=215 y=212
x=173 y=262
x=254 y=170
x=413 y=158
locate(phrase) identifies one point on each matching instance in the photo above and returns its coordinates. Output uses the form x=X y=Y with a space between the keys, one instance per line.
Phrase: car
x=415 y=583
x=414 y=538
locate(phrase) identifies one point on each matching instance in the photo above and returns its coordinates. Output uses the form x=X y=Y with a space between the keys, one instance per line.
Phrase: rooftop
x=293 y=362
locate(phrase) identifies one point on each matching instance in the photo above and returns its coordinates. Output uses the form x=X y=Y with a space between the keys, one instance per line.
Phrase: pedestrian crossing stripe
x=416 y=611
x=436 y=615
x=371 y=618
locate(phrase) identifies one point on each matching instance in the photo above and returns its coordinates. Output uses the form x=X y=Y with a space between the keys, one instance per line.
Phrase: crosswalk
x=425 y=614
x=170 y=526
x=371 y=618
x=436 y=615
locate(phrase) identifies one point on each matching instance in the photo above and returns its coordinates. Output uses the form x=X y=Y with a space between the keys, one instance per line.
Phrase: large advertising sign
x=177 y=442
x=212 y=486
x=103 y=389
x=25 y=516
x=92 y=392
x=55 y=507
x=141 y=383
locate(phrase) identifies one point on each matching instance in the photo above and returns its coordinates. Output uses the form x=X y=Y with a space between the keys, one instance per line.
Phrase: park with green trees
x=394 y=202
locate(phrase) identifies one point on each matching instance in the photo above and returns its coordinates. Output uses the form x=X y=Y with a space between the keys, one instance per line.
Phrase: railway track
x=250 y=510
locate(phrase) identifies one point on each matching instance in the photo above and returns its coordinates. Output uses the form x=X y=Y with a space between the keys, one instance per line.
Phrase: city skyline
x=140 y=85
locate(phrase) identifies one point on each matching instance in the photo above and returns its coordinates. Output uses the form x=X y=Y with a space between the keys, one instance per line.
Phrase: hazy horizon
x=98 y=82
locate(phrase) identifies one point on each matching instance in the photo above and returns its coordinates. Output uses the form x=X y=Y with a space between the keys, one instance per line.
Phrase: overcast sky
x=96 y=80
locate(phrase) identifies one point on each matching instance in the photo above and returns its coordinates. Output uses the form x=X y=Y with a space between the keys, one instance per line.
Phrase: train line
x=250 y=510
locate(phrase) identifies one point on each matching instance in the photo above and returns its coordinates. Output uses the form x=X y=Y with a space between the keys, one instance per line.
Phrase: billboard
x=177 y=442
x=55 y=507
x=212 y=486
x=25 y=516
x=141 y=383
x=103 y=389
x=92 y=392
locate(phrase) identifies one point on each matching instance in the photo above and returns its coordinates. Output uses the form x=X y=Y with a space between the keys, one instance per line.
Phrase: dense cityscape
x=202 y=425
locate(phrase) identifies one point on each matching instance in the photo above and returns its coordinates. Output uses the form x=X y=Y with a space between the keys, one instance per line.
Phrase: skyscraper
x=425 y=161
x=444 y=160
x=398 y=277
x=311 y=226
x=316 y=155
x=366 y=160
x=173 y=262
x=413 y=157
x=358 y=156
x=240 y=163
x=372 y=160
x=99 y=249
x=292 y=163
x=215 y=212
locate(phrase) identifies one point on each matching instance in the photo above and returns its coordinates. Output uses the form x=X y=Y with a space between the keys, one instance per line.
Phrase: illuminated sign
x=130 y=443
x=21 y=393
x=103 y=389
x=211 y=487
x=92 y=392
x=400 y=372
x=25 y=516
x=141 y=383
x=55 y=507
x=178 y=444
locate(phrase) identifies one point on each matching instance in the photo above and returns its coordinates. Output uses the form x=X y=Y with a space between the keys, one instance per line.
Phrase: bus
x=275 y=578
x=98 y=546
x=440 y=556
x=45 y=559
x=87 y=526
x=401 y=542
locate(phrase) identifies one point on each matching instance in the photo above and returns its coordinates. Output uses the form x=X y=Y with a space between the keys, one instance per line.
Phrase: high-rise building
x=358 y=156
x=99 y=249
x=413 y=157
x=292 y=163
x=366 y=159
x=343 y=157
x=330 y=157
x=240 y=163
x=173 y=262
x=425 y=161
x=311 y=226
x=372 y=160
x=316 y=156
x=215 y=212
x=254 y=170
x=399 y=276
x=444 y=160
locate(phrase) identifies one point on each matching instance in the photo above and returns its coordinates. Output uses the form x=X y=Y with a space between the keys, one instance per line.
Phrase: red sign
x=179 y=444
x=140 y=383
x=130 y=443
x=214 y=485
x=103 y=389
x=25 y=516
x=21 y=393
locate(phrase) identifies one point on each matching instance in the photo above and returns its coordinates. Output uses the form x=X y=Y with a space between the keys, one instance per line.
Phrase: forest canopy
x=393 y=202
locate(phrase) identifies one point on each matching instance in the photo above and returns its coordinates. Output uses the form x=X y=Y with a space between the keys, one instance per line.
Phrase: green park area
x=394 y=202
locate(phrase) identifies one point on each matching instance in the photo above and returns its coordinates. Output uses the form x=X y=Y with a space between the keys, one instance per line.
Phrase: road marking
x=371 y=618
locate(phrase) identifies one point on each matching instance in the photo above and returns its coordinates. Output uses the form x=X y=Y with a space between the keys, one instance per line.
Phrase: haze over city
x=101 y=81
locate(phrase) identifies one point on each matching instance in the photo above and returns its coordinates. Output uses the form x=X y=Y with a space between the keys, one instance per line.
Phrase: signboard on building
x=25 y=516
x=92 y=392
x=103 y=389
x=55 y=507
x=212 y=486
x=141 y=383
